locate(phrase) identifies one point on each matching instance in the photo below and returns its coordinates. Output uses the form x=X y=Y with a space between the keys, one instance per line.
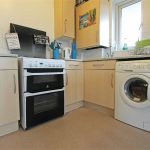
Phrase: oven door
x=43 y=107
x=39 y=80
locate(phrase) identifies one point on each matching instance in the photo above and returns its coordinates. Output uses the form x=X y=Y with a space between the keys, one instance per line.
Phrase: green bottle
x=125 y=47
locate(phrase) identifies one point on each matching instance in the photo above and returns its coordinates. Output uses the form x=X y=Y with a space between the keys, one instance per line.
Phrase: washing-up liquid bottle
x=125 y=46
x=74 y=51
x=55 y=53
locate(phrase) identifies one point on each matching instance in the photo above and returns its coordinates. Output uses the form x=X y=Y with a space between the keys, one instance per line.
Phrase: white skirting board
x=8 y=128
x=102 y=109
x=89 y=105
x=74 y=106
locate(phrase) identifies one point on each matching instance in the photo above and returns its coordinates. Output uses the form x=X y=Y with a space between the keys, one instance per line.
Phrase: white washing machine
x=132 y=93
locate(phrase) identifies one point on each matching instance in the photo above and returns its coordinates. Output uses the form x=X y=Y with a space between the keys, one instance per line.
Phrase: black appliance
x=27 y=36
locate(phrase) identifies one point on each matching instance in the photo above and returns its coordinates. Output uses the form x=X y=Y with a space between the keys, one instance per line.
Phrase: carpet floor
x=82 y=129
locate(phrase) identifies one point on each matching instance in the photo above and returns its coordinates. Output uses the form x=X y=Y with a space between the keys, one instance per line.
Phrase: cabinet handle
x=66 y=79
x=73 y=65
x=112 y=80
x=98 y=65
x=65 y=22
x=97 y=36
x=14 y=77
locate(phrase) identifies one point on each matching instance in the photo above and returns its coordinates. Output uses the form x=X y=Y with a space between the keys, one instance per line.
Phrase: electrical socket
x=3 y=43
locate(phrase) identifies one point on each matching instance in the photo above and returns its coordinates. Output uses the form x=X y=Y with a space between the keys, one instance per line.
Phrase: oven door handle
x=45 y=73
x=41 y=93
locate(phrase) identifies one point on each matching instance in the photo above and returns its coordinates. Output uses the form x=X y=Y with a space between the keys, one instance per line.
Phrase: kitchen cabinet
x=9 y=101
x=92 y=24
x=145 y=19
x=99 y=83
x=64 y=18
x=74 y=82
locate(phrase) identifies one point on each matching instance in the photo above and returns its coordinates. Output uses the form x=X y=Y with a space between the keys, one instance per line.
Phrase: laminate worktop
x=135 y=57
x=7 y=55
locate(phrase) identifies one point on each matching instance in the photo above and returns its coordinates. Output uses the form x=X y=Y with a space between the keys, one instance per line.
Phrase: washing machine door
x=135 y=90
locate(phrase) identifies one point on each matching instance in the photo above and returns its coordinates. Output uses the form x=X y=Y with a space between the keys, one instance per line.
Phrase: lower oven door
x=43 y=107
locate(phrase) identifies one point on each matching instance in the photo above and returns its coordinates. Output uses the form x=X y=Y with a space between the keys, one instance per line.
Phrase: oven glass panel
x=43 y=103
x=45 y=79
x=136 y=89
x=41 y=108
x=40 y=83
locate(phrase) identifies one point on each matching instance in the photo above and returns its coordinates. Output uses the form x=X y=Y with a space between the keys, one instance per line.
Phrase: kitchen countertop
x=74 y=60
x=135 y=57
x=8 y=55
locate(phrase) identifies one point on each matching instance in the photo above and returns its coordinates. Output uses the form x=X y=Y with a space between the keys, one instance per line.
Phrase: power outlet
x=3 y=44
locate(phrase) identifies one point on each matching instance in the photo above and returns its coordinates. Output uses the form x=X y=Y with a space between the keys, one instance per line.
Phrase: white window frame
x=118 y=7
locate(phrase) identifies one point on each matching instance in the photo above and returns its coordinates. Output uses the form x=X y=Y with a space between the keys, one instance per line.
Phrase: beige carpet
x=82 y=129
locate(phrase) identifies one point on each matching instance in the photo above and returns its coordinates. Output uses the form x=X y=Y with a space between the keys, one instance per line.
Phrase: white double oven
x=41 y=90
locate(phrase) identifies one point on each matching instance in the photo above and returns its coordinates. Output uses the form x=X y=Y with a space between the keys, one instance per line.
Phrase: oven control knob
x=49 y=65
x=35 y=65
x=30 y=65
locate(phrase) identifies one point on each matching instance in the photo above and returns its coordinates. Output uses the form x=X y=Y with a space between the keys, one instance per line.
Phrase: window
x=128 y=23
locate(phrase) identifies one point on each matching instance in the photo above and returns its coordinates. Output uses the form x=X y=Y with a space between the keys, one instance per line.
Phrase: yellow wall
x=38 y=14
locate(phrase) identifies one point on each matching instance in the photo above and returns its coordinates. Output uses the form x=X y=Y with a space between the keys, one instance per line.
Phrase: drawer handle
x=112 y=77
x=14 y=79
x=73 y=65
x=98 y=65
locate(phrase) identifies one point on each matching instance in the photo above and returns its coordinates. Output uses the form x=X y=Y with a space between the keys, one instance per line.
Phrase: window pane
x=130 y=24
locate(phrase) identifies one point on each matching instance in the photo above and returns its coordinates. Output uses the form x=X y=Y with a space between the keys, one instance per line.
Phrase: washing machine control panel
x=135 y=66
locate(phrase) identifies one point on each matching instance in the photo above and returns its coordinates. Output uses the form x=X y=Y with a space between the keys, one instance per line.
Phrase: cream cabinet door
x=79 y=85
x=74 y=88
x=70 y=90
x=145 y=19
x=9 y=97
x=58 y=18
x=87 y=36
x=69 y=18
x=64 y=16
x=99 y=87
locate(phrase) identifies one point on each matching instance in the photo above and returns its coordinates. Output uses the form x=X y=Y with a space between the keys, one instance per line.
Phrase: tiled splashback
x=87 y=54
x=94 y=53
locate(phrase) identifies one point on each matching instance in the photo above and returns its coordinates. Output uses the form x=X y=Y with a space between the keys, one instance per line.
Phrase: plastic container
x=125 y=47
x=74 y=51
x=56 y=53
x=67 y=52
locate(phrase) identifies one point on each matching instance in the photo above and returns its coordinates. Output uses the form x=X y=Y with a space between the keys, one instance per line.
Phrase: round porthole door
x=135 y=91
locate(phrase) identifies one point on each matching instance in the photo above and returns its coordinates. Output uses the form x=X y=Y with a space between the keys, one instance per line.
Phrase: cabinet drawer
x=100 y=64
x=74 y=65
x=8 y=63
